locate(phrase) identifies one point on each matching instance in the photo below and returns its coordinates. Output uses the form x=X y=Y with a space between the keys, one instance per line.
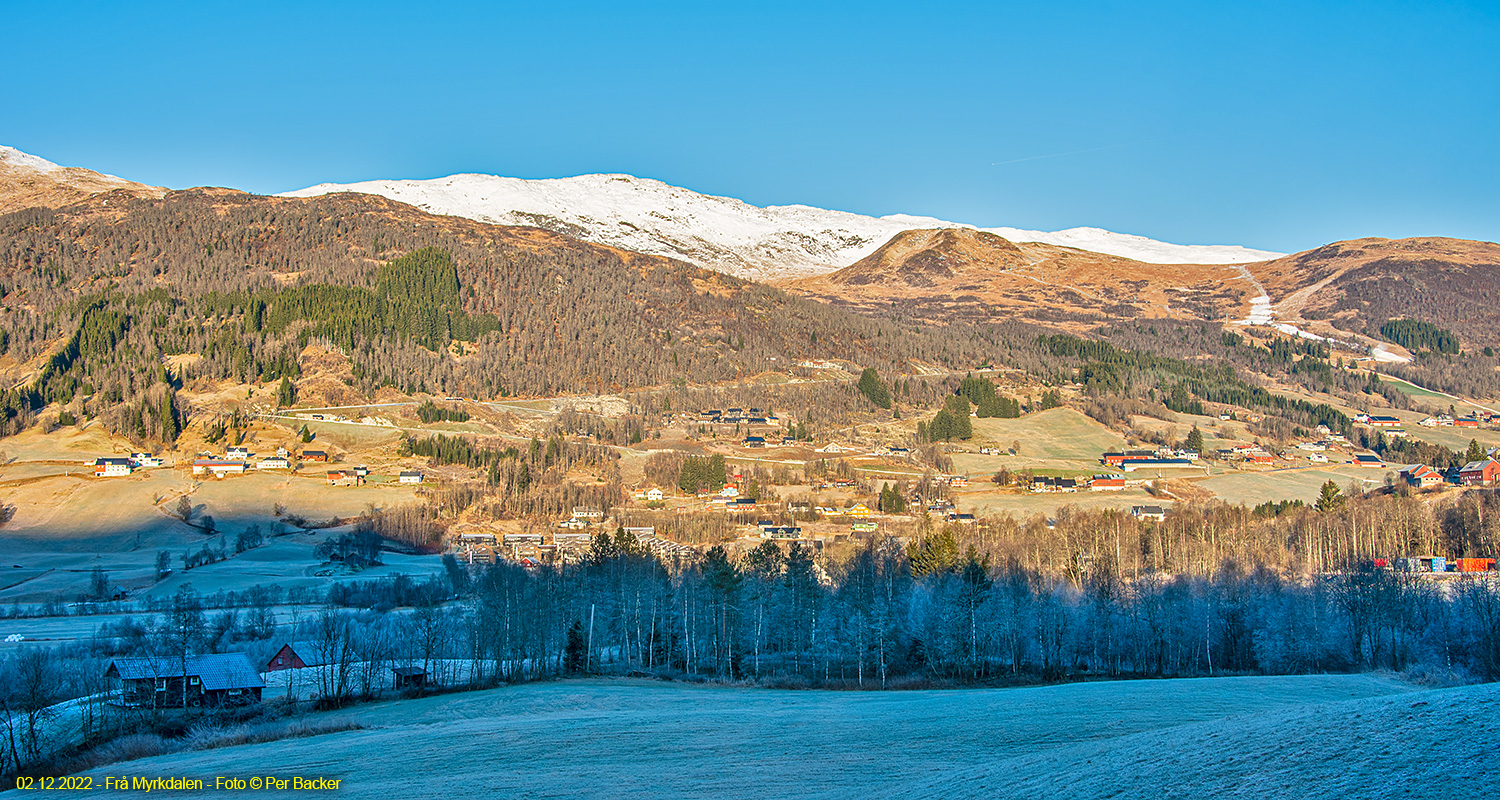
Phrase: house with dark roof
x=1156 y=513
x=216 y=679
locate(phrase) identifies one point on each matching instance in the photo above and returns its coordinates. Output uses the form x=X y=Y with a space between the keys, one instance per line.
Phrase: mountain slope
x=27 y=181
x=959 y=273
x=1357 y=285
x=721 y=233
x=243 y=280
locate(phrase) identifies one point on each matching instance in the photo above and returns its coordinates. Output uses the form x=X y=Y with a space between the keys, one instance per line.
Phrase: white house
x=409 y=476
x=111 y=467
x=237 y=452
x=654 y=495
x=277 y=462
x=145 y=460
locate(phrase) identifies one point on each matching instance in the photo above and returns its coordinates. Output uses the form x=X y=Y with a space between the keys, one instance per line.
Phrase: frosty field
x=1304 y=736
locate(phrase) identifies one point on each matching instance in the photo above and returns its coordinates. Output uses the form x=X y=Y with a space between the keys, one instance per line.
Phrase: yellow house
x=858 y=510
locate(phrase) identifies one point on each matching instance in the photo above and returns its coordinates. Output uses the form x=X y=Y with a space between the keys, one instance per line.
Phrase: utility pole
x=588 y=661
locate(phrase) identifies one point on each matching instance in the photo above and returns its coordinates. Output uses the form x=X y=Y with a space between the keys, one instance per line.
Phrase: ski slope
x=1334 y=736
x=723 y=233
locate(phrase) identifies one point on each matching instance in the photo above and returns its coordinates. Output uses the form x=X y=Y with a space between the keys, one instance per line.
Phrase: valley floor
x=1303 y=736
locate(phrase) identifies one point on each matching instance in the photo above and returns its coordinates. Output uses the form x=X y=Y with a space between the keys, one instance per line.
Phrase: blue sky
x=1274 y=125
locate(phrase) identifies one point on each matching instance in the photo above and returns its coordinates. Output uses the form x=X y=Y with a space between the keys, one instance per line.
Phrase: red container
x=1476 y=564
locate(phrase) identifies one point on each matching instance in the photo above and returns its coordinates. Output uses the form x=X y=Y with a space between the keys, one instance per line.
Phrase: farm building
x=1117 y=459
x=1368 y=460
x=1480 y=473
x=343 y=477
x=314 y=455
x=1133 y=464
x=296 y=655
x=1421 y=476
x=409 y=678
x=410 y=476
x=218 y=467
x=111 y=467
x=207 y=680
x=1107 y=483
x=1385 y=422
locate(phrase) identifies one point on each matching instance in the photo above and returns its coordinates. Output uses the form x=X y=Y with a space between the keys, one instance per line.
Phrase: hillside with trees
x=95 y=298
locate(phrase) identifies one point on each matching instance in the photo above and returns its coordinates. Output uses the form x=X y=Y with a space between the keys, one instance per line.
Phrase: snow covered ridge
x=723 y=233
x=11 y=157
x=15 y=159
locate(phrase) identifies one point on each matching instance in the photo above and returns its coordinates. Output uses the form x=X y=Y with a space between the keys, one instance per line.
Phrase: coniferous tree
x=1195 y=440
x=1475 y=451
x=575 y=652
x=872 y=387
x=286 y=393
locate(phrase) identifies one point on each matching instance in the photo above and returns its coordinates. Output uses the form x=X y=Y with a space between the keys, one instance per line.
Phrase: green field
x=1414 y=390
x=1060 y=441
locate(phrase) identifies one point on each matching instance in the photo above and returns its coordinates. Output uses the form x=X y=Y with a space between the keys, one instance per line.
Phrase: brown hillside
x=1357 y=285
x=967 y=274
x=571 y=315
x=22 y=186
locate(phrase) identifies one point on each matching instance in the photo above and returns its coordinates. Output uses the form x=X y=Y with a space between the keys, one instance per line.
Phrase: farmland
x=644 y=739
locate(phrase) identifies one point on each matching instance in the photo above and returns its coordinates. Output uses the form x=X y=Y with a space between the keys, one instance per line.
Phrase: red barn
x=1480 y=473
x=296 y=655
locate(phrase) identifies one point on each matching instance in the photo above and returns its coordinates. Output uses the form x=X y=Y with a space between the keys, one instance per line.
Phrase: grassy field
x=1415 y=391
x=1024 y=505
x=66 y=525
x=1059 y=439
x=1304 y=736
x=1302 y=484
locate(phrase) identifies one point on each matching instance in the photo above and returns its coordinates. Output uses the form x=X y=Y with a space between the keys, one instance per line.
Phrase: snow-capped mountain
x=723 y=233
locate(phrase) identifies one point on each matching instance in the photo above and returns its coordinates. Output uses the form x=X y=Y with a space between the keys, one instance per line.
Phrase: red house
x=296 y=655
x=1480 y=473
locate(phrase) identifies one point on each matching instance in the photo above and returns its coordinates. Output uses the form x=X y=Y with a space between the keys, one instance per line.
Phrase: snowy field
x=1304 y=736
